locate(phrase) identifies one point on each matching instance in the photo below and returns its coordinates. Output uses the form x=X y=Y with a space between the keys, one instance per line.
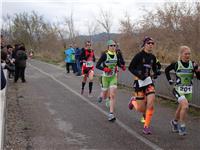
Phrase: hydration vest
x=184 y=75
x=110 y=63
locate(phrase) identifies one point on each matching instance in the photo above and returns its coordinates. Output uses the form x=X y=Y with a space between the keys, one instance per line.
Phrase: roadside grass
x=50 y=61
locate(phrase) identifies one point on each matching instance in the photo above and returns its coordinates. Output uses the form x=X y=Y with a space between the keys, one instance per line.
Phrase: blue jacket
x=70 y=55
x=77 y=53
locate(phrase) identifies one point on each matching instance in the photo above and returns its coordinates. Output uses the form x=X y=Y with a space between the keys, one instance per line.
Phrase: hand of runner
x=123 y=67
x=106 y=69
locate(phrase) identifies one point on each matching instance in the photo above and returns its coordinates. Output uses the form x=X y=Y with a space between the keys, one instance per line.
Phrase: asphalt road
x=48 y=113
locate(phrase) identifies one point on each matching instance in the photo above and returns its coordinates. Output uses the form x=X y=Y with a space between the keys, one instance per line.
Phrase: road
x=48 y=113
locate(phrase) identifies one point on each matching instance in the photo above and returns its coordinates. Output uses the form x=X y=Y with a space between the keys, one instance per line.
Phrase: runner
x=121 y=60
x=184 y=69
x=108 y=63
x=141 y=67
x=133 y=101
x=87 y=58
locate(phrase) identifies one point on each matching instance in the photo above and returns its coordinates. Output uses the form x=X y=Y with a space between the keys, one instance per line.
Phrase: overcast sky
x=84 y=11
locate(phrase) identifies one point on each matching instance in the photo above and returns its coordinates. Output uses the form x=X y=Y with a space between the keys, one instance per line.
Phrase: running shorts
x=108 y=82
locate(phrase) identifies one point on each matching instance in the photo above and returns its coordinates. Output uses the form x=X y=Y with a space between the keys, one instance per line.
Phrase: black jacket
x=21 y=58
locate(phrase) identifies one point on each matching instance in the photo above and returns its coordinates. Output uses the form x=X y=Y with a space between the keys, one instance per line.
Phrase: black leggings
x=72 y=65
x=19 y=73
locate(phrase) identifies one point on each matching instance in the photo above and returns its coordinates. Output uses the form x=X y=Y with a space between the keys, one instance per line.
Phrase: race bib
x=89 y=64
x=184 y=89
x=145 y=82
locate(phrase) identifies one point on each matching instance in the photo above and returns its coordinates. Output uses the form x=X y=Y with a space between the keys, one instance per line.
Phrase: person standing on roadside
x=20 y=63
x=77 y=58
x=70 y=59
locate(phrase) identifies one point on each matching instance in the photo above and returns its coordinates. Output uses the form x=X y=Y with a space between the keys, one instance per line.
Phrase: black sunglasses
x=150 y=43
x=112 y=45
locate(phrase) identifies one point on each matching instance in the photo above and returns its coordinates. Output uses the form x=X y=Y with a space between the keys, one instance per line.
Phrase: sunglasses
x=88 y=44
x=112 y=45
x=150 y=43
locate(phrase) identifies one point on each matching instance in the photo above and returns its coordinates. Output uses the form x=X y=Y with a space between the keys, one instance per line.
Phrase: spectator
x=20 y=64
x=70 y=59
x=77 y=58
x=3 y=79
x=10 y=62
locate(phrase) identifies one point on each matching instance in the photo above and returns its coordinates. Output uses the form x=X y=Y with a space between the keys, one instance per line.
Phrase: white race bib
x=89 y=64
x=145 y=82
x=184 y=89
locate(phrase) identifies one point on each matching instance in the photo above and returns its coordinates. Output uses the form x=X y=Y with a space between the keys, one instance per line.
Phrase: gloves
x=171 y=82
x=107 y=70
x=123 y=67
x=196 y=68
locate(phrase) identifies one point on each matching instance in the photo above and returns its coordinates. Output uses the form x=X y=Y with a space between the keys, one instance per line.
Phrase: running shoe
x=108 y=102
x=174 y=126
x=182 y=130
x=130 y=105
x=99 y=99
x=147 y=130
x=111 y=117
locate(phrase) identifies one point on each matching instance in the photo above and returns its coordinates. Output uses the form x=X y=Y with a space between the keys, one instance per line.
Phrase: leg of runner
x=183 y=111
x=149 y=113
x=111 y=116
x=174 y=122
x=91 y=75
x=104 y=88
x=83 y=83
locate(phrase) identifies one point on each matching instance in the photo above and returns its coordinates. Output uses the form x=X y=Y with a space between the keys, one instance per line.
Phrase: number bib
x=89 y=64
x=184 y=89
x=145 y=82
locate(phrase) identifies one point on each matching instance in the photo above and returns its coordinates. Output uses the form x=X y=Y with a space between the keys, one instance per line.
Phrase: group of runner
x=146 y=68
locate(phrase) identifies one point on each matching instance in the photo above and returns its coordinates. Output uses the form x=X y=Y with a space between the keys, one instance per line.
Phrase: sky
x=84 y=11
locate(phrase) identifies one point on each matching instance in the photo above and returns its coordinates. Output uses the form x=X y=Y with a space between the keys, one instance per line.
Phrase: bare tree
x=126 y=26
x=62 y=33
x=92 y=29
x=105 y=20
x=69 y=21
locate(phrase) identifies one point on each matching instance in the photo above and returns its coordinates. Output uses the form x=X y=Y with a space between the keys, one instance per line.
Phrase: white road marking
x=120 y=123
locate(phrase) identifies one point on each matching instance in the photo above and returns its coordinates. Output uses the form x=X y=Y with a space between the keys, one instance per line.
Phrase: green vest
x=184 y=75
x=184 y=78
x=110 y=63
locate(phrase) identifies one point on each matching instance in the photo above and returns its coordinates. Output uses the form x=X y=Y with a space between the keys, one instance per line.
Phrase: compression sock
x=148 y=116
x=90 y=87
x=83 y=85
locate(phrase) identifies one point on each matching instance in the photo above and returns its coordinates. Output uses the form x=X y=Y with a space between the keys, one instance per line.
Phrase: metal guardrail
x=163 y=89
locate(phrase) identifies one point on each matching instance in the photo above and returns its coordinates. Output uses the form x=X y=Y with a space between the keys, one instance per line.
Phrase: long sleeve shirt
x=142 y=64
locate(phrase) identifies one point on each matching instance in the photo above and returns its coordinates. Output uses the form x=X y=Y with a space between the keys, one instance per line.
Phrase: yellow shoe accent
x=142 y=120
